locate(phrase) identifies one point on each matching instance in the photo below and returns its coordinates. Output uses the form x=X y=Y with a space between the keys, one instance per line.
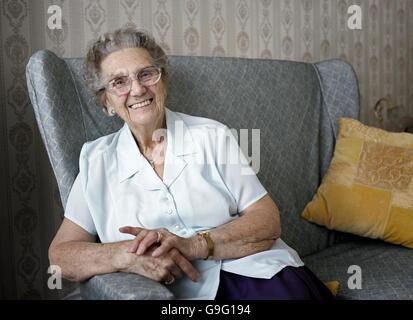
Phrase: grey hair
x=113 y=41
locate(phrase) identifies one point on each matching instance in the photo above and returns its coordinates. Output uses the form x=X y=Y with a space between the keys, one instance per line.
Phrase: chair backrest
x=295 y=106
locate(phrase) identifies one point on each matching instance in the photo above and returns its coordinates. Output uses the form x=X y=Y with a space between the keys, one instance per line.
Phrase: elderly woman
x=165 y=196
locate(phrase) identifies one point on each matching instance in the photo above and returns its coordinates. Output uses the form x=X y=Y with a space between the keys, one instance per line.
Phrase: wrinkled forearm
x=246 y=235
x=81 y=260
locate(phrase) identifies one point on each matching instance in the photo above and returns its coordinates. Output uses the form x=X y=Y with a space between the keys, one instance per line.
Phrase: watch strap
x=210 y=244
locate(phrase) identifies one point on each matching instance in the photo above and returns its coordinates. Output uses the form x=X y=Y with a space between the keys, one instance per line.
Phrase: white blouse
x=206 y=182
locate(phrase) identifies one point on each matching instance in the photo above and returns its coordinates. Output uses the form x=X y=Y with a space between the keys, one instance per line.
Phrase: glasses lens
x=120 y=85
x=149 y=76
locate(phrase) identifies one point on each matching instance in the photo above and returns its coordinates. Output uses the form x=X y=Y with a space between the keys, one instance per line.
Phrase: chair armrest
x=123 y=286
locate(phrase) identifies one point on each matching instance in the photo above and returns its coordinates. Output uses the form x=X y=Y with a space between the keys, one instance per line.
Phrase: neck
x=144 y=135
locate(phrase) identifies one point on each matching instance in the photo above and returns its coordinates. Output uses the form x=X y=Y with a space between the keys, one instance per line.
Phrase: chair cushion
x=386 y=269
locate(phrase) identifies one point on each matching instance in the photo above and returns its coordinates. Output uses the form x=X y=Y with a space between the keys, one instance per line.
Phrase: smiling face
x=143 y=105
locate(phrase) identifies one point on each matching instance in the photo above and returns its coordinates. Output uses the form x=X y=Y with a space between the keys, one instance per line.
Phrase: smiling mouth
x=141 y=104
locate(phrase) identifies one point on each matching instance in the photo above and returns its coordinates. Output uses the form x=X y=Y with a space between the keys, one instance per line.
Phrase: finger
x=187 y=268
x=135 y=243
x=176 y=272
x=131 y=230
x=162 y=249
x=150 y=238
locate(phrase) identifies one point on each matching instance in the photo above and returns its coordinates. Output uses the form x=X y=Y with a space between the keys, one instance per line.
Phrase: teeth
x=141 y=104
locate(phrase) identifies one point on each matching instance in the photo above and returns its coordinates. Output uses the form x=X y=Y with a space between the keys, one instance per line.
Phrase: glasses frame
x=131 y=78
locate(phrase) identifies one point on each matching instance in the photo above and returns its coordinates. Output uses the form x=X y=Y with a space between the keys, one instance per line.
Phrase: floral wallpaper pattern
x=306 y=30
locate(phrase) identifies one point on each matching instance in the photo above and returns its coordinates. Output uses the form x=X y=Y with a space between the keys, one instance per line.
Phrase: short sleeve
x=77 y=209
x=239 y=178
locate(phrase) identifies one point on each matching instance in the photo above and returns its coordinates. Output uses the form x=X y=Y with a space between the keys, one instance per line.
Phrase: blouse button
x=177 y=227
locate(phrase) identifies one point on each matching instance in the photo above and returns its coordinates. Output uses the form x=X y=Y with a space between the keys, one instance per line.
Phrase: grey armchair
x=296 y=107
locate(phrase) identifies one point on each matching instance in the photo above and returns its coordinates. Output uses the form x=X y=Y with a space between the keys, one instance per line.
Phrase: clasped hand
x=163 y=245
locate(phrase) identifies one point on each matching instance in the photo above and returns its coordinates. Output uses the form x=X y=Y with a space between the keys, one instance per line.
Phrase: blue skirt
x=291 y=283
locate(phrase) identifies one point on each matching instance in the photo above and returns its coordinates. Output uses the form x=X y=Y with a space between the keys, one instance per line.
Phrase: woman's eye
x=118 y=82
x=145 y=74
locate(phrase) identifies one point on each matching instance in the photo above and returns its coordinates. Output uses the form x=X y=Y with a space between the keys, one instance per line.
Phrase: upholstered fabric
x=65 y=112
x=295 y=106
x=368 y=189
x=386 y=269
x=124 y=286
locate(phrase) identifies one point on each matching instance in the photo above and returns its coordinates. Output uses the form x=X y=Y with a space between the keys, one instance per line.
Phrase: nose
x=137 y=89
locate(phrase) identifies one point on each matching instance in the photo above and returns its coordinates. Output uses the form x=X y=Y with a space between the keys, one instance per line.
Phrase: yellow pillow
x=332 y=286
x=368 y=189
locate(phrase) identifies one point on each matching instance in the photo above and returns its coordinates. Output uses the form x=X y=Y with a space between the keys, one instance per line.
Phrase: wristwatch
x=210 y=244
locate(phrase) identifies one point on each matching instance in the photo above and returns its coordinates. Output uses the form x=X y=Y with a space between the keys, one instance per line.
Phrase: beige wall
x=308 y=30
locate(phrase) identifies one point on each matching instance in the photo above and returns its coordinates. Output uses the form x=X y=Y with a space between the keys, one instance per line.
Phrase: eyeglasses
x=121 y=85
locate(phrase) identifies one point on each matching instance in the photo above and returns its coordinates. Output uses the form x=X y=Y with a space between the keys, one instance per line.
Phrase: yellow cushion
x=332 y=286
x=368 y=189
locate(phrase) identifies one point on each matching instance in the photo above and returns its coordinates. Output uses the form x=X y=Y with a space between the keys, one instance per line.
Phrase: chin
x=145 y=115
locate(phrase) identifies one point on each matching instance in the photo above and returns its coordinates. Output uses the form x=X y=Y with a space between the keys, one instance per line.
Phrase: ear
x=103 y=100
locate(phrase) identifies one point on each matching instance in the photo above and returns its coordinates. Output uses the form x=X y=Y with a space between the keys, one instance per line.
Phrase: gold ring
x=159 y=237
x=172 y=280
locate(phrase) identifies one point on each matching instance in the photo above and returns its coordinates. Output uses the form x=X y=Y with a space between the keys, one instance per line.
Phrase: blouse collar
x=130 y=160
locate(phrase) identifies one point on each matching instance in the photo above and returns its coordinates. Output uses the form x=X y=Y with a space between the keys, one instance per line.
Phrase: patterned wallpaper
x=306 y=30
